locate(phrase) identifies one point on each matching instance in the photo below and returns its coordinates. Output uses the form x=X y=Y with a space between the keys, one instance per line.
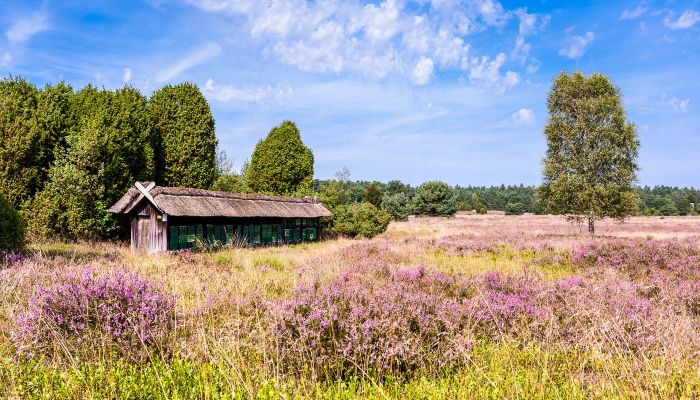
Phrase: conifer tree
x=184 y=140
x=281 y=164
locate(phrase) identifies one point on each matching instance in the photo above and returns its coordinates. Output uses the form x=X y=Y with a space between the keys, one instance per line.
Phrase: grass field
x=468 y=307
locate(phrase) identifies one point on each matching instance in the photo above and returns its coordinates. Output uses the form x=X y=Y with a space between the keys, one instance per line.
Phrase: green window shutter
x=182 y=237
x=172 y=237
x=199 y=237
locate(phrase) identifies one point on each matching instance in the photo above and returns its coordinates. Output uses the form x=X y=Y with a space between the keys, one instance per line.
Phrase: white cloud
x=633 y=13
x=229 y=93
x=25 y=28
x=422 y=71
x=575 y=46
x=127 y=75
x=6 y=59
x=375 y=40
x=488 y=72
x=686 y=20
x=195 y=58
x=676 y=103
x=524 y=116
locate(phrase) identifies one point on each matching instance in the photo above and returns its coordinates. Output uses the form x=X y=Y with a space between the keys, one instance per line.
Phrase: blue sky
x=412 y=90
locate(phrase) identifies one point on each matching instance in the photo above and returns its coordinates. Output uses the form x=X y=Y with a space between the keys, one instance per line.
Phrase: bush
x=11 y=227
x=359 y=220
x=481 y=209
x=436 y=199
x=397 y=205
x=514 y=209
x=118 y=308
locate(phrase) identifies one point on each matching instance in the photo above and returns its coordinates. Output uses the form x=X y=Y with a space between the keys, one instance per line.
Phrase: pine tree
x=590 y=165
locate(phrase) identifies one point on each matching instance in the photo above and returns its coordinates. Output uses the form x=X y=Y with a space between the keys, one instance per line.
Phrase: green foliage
x=514 y=209
x=11 y=227
x=230 y=183
x=435 y=198
x=107 y=152
x=184 y=141
x=281 y=164
x=373 y=194
x=497 y=371
x=20 y=141
x=590 y=165
x=359 y=220
x=398 y=205
x=69 y=206
x=481 y=208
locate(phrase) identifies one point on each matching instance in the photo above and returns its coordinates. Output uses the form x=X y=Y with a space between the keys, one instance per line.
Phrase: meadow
x=475 y=306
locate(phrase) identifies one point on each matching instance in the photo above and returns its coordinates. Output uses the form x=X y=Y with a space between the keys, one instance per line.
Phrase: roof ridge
x=194 y=192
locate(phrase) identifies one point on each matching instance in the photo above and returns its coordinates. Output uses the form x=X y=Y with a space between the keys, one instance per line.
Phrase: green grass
x=497 y=371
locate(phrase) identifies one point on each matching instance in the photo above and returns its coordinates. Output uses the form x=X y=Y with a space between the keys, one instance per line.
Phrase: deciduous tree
x=590 y=165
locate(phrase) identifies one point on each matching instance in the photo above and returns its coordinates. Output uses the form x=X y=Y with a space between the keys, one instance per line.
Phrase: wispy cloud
x=524 y=116
x=127 y=75
x=25 y=28
x=685 y=21
x=633 y=13
x=680 y=105
x=575 y=46
x=229 y=93
x=195 y=58
x=6 y=60
x=488 y=72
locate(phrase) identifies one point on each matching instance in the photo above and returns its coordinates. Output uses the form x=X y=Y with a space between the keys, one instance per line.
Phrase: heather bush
x=119 y=310
x=399 y=323
x=8 y=258
x=640 y=256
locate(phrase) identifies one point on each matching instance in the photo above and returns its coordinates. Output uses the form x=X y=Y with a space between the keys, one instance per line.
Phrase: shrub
x=436 y=199
x=514 y=209
x=86 y=309
x=359 y=220
x=375 y=323
x=11 y=227
x=481 y=208
x=397 y=205
x=637 y=256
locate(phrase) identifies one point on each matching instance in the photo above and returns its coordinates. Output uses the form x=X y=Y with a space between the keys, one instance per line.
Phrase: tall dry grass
x=241 y=313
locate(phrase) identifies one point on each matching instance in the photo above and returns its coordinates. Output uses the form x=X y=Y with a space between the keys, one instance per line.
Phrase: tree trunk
x=591 y=226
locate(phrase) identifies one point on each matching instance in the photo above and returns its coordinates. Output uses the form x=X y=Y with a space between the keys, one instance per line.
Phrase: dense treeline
x=68 y=155
x=657 y=200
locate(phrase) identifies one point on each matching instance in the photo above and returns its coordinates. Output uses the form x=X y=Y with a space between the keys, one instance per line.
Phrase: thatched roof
x=188 y=202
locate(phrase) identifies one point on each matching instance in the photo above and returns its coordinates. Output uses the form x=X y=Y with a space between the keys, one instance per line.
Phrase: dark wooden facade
x=171 y=219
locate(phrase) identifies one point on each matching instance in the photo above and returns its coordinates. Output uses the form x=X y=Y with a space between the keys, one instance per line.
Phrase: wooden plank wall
x=149 y=234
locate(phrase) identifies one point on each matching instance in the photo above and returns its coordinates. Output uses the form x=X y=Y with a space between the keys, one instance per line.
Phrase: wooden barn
x=176 y=218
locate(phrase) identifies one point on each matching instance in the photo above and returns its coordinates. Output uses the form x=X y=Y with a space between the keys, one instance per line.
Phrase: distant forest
x=656 y=200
